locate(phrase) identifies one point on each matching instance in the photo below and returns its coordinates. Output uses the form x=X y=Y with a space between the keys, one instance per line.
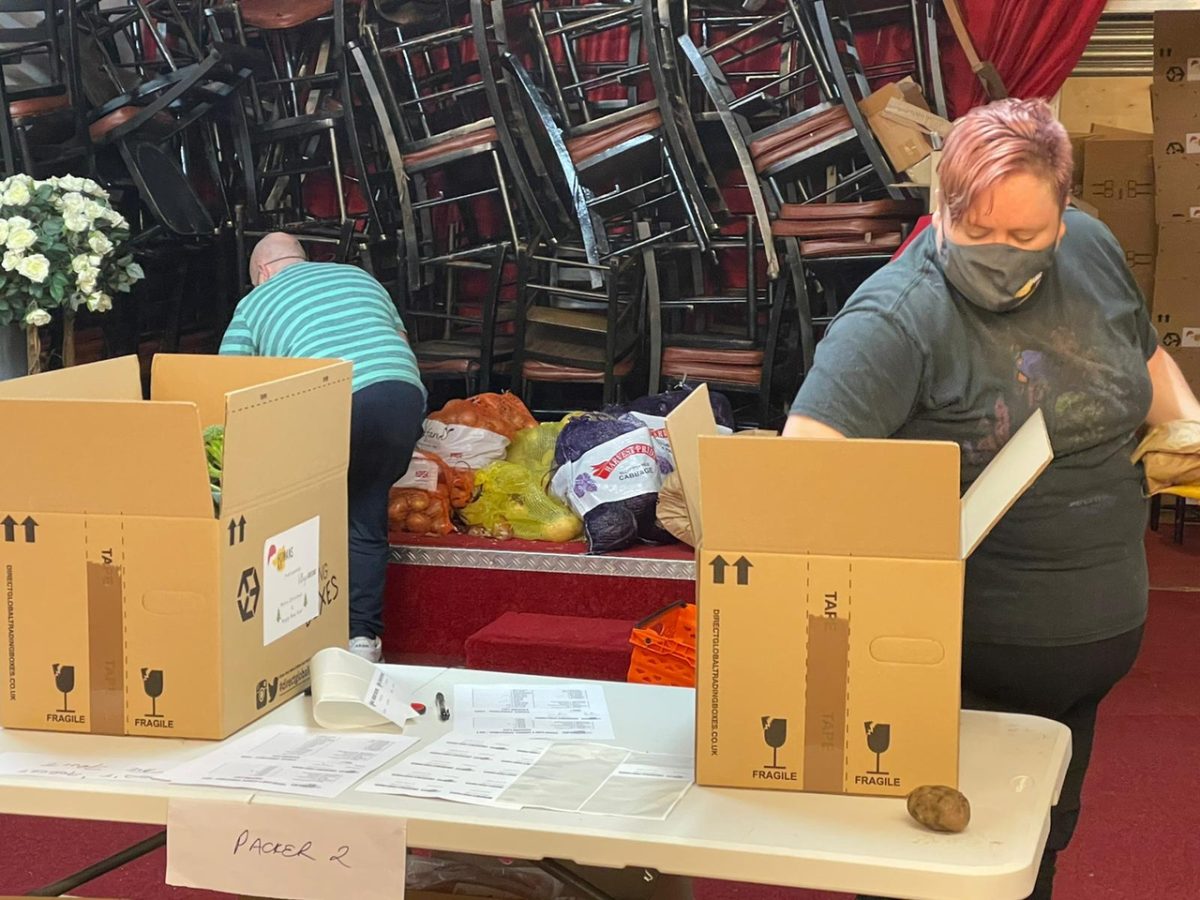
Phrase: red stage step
x=443 y=590
x=562 y=646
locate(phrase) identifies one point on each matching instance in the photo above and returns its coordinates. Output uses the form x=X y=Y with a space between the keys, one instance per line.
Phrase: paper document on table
x=603 y=780
x=560 y=712
x=349 y=692
x=41 y=765
x=461 y=768
x=290 y=759
x=516 y=772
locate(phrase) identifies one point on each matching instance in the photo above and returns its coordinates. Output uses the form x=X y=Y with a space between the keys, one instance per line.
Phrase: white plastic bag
x=422 y=474
x=460 y=445
x=620 y=469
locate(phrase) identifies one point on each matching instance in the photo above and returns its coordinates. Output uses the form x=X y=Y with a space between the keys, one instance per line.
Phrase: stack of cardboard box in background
x=1175 y=99
x=1115 y=176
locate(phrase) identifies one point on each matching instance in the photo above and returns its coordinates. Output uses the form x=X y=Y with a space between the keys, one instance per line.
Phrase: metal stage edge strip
x=561 y=563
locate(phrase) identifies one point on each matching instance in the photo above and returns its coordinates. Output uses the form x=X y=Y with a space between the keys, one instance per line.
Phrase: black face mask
x=995 y=277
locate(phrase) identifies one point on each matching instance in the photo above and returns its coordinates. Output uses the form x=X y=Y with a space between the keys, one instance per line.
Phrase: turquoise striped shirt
x=325 y=311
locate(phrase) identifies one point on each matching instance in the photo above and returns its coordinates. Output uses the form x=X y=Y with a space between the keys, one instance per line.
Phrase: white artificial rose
x=72 y=183
x=76 y=220
x=94 y=210
x=81 y=263
x=99 y=302
x=15 y=222
x=11 y=260
x=16 y=194
x=35 y=268
x=3 y=230
x=90 y=187
x=21 y=238
x=99 y=243
x=73 y=200
x=38 y=317
x=87 y=281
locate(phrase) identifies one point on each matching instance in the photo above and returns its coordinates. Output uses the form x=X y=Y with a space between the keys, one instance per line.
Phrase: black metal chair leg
x=1155 y=511
x=94 y=871
x=1180 y=518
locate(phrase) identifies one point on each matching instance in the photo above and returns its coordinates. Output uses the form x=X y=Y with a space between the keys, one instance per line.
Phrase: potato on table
x=939 y=808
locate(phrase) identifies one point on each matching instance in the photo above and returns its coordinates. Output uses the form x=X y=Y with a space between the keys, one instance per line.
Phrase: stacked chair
x=563 y=196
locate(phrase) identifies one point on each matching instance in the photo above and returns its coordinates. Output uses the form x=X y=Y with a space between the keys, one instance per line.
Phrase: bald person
x=321 y=310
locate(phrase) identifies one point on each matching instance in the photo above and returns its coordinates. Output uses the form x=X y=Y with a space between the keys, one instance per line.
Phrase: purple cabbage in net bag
x=619 y=523
x=663 y=404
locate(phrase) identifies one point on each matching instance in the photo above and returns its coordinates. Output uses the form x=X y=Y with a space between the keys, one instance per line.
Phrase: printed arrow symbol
x=30 y=530
x=743 y=567
x=10 y=529
x=719 y=565
x=237 y=530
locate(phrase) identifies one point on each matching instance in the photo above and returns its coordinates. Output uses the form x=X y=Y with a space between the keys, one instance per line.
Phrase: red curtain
x=1034 y=45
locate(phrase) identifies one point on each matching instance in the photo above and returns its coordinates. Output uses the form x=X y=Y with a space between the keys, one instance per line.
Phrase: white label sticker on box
x=1190 y=337
x=291 y=587
x=1193 y=68
x=1192 y=142
x=1194 y=212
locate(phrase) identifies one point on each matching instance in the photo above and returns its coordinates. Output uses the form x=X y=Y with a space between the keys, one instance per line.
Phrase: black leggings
x=1065 y=684
x=385 y=423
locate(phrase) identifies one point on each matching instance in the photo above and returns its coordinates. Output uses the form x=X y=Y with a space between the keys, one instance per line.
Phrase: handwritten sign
x=291 y=853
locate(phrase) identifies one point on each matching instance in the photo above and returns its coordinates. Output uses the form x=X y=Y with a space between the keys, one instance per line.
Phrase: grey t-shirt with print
x=909 y=357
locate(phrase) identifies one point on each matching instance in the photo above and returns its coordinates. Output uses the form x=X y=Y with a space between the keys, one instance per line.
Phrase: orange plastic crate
x=664 y=647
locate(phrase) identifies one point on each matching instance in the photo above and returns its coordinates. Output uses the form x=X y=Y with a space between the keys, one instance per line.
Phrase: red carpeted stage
x=526 y=607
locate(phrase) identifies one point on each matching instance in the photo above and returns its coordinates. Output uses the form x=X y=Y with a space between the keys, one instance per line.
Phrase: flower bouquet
x=62 y=246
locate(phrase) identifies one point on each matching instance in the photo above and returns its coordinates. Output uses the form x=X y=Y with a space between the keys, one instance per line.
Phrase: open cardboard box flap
x=879 y=498
x=112 y=379
x=270 y=405
x=88 y=441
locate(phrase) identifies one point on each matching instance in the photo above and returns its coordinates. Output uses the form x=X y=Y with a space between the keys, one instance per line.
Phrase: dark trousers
x=385 y=423
x=1065 y=684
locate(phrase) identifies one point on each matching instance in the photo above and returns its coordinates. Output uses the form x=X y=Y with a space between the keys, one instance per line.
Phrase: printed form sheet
x=291 y=759
x=44 y=765
x=555 y=712
x=517 y=772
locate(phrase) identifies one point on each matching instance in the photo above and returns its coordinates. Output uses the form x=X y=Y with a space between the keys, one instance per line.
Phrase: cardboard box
x=830 y=640
x=1177 y=152
x=1176 y=311
x=1078 y=141
x=924 y=175
x=905 y=143
x=1119 y=183
x=131 y=608
x=1176 y=47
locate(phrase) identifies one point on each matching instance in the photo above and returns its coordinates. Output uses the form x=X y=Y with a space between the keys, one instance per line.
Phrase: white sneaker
x=370 y=649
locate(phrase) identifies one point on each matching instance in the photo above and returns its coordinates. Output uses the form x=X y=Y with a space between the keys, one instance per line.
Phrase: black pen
x=443 y=712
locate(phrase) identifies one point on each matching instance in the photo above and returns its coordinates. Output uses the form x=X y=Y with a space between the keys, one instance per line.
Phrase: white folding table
x=1011 y=770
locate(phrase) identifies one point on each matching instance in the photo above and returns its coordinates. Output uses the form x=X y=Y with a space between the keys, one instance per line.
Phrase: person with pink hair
x=1009 y=303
